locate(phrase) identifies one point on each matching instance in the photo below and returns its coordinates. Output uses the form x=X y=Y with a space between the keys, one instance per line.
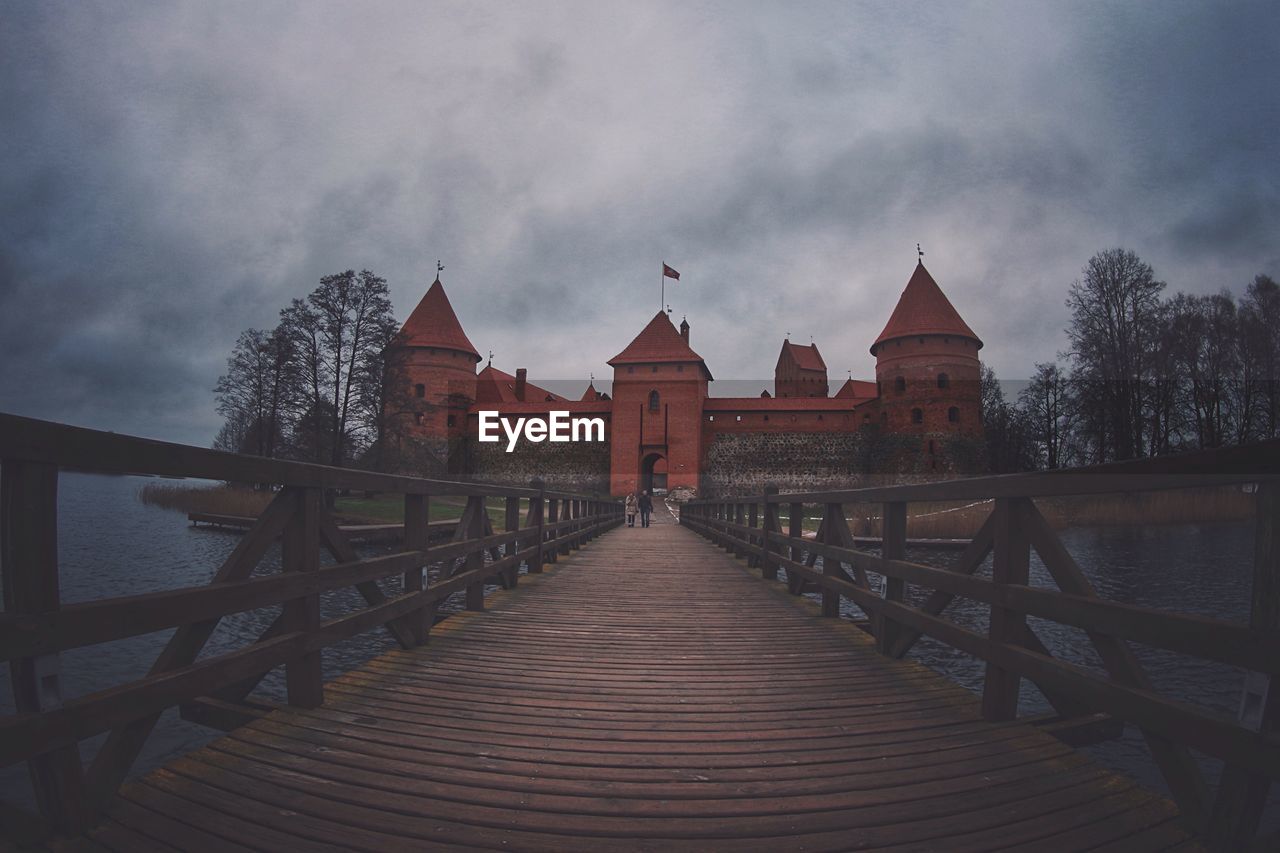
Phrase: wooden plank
x=769 y=524
x=112 y=619
x=1011 y=566
x=300 y=552
x=1242 y=796
x=337 y=544
x=82 y=449
x=1180 y=770
x=417 y=521
x=29 y=570
x=1178 y=721
x=893 y=547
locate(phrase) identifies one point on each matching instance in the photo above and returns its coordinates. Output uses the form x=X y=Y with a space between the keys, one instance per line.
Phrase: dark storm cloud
x=172 y=174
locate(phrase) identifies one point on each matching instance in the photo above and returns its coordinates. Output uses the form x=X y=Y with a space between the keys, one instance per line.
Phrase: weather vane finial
x=920 y=252
x=439 y=267
x=491 y=358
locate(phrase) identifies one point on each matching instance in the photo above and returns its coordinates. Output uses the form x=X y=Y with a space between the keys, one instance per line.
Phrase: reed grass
x=962 y=520
x=218 y=500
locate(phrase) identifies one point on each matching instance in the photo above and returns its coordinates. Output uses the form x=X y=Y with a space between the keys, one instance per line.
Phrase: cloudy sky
x=171 y=174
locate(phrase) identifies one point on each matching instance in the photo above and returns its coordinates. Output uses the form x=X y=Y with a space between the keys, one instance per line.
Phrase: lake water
x=112 y=544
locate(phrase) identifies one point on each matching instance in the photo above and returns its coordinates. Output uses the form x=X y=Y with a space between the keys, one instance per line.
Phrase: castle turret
x=800 y=372
x=927 y=370
x=437 y=365
x=659 y=385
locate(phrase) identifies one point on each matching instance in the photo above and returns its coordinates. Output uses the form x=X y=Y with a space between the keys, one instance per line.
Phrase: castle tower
x=436 y=365
x=927 y=371
x=800 y=372
x=659 y=385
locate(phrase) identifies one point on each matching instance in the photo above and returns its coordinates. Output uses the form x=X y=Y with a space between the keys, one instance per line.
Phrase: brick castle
x=664 y=429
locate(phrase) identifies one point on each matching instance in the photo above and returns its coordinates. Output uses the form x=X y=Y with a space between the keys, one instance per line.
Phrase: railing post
x=512 y=525
x=300 y=552
x=29 y=568
x=535 y=520
x=893 y=546
x=476 y=514
x=795 y=529
x=553 y=516
x=753 y=521
x=739 y=517
x=417 y=516
x=769 y=524
x=1010 y=565
x=832 y=517
x=1242 y=796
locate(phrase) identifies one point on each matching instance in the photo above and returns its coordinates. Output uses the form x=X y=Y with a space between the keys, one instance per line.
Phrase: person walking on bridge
x=631 y=509
x=646 y=508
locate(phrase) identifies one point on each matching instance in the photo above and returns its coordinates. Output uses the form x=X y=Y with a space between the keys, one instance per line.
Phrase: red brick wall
x=919 y=361
x=681 y=389
x=449 y=377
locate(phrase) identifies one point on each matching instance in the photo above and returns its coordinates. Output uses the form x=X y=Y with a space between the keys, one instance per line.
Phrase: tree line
x=315 y=388
x=1145 y=374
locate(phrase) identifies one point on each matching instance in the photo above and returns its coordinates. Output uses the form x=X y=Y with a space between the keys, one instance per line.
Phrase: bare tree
x=1047 y=405
x=254 y=394
x=1114 y=329
x=339 y=332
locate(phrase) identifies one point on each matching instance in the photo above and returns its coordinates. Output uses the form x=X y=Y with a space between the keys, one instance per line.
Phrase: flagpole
x=662 y=304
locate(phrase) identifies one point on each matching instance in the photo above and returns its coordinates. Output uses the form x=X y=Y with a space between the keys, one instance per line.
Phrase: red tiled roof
x=433 y=324
x=658 y=341
x=857 y=389
x=498 y=386
x=923 y=309
x=537 y=407
x=780 y=404
x=591 y=394
x=806 y=358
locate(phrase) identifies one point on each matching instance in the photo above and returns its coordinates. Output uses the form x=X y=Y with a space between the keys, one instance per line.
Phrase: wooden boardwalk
x=646 y=693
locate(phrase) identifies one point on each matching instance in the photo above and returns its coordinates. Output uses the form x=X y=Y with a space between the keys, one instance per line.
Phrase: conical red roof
x=923 y=309
x=657 y=342
x=805 y=357
x=433 y=324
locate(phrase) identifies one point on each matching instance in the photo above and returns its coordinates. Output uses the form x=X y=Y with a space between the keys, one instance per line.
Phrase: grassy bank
x=962 y=520
x=354 y=509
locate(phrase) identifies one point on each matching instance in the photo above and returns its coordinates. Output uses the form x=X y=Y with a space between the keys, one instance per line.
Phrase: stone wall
x=744 y=463
x=569 y=466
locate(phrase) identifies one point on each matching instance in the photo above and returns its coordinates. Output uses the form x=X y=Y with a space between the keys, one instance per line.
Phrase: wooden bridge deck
x=645 y=693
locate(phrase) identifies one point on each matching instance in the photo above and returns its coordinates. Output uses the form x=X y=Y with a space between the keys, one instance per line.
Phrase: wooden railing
x=751 y=527
x=36 y=627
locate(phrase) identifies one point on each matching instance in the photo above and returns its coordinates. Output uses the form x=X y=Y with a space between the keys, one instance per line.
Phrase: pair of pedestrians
x=644 y=503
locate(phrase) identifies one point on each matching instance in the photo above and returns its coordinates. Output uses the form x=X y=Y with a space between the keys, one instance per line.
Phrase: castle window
x=944 y=381
x=819 y=417
x=679 y=368
x=654 y=405
x=419 y=390
x=917 y=416
x=953 y=415
x=631 y=368
x=453 y=420
x=738 y=418
x=711 y=417
x=655 y=368
x=417 y=418
x=766 y=417
x=900 y=385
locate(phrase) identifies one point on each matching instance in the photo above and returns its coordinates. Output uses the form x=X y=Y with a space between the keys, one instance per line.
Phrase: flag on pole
x=668 y=272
